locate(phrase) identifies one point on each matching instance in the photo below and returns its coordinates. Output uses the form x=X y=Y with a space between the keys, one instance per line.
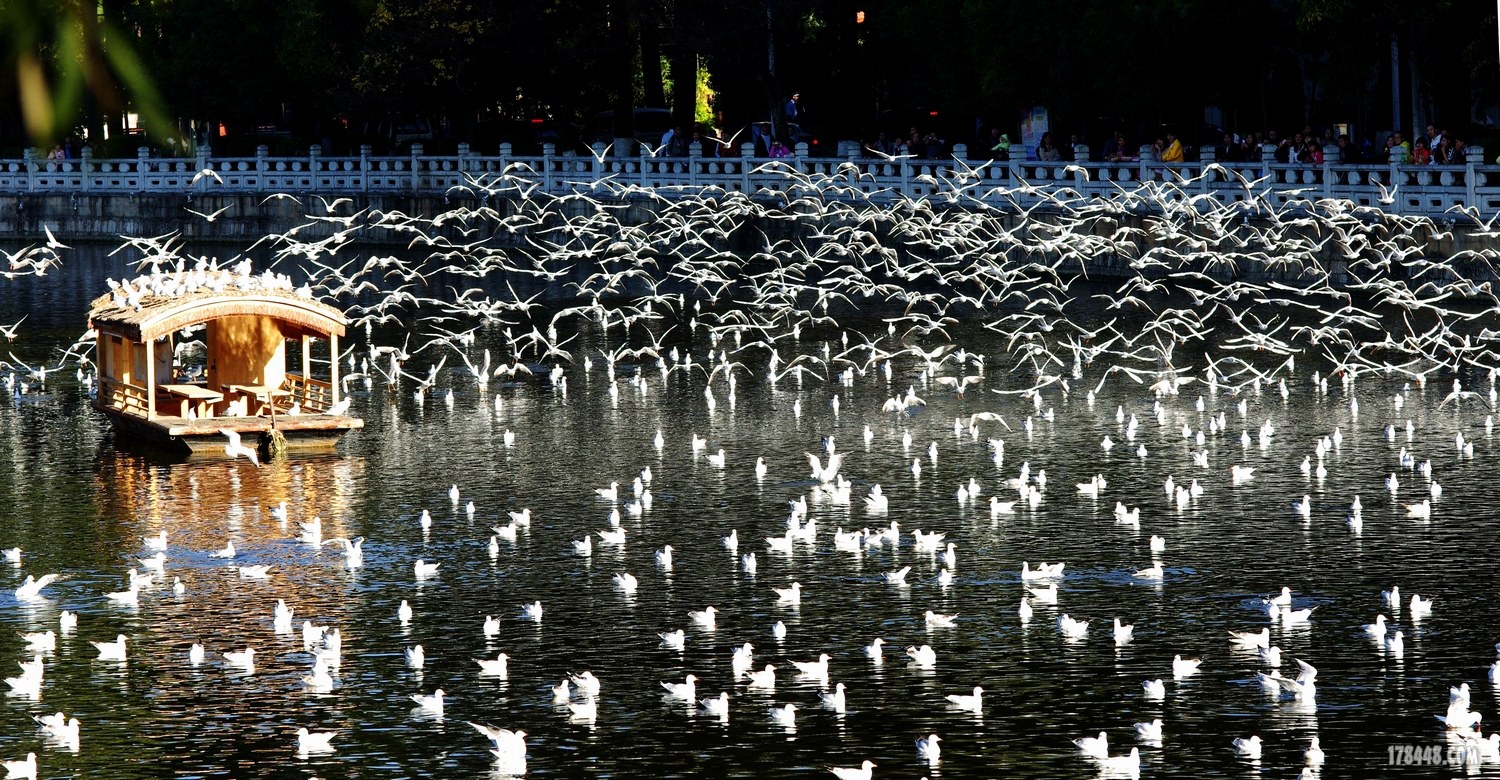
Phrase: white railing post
x=1473 y=158
x=695 y=158
x=200 y=161
x=1331 y=157
x=1395 y=158
x=416 y=164
x=86 y=168
x=142 y=166
x=747 y=152
x=30 y=166
x=1267 y=159
x=549 y=152
x=464 y=160
x=1081 y=174
x=262 y=166
x=315 y=176
x=364 y=166
x=1146 y=155
x=1207 y=155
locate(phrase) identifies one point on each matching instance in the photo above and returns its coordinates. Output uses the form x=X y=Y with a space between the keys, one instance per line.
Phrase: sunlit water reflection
x=80 y=507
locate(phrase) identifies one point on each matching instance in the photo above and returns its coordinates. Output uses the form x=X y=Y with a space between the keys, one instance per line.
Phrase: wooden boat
x=244 y=383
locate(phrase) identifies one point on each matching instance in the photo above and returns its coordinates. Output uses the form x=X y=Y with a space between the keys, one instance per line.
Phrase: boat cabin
x=256 y=376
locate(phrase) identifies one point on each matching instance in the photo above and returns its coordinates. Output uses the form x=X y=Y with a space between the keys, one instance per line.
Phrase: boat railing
x=313 y=396
x=130 y=399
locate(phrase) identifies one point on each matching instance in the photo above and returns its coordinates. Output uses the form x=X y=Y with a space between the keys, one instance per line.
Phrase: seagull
x=32 y=587
x=929 y=750
x=25 y=768
x=1094 y=747
x=834 y=701
x=111 y=651
x=862 y=772
x=1184 y=667
x=1248 y=747
x=685 y=691
x=235 y=449
x=971 y=702
x=432 y=705
x=315 y=741
x=718 y=705
x=494 y=667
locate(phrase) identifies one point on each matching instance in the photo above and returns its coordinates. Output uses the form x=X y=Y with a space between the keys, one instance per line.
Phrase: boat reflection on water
x=205 y=503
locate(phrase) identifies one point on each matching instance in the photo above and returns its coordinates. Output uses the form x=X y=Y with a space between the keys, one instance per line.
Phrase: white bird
x=792 y=595
x=935 y=620
x=31 y=588
x=784 y=716
x=1245 y=640
x=675 y=640
x=1184 y=667
x=1149 y=731
x=863 y=772
x=432 y=704
x=817 y=669
x=928 y=749
x=834 y=701
x=1128 y=764
x=1047 y=595
x=686 y=691
x=25 y=768
x=587 y=684
x=718 y=705
x=765 y=678
x=705 y=618
x=509 y=745
x=242 y=659
x=111 y=651
x=404 y=612
x=315 y=741
x=1123 y=633
x=1155 y=690
x=40 y=641
x=235 y=449
x=424 y=570
x=1094 y=747
x=873 y=651
x=1313 y=756
x=494 y=667
x=416 y=657
x=1248 y=747
x=971 y=702
x=532 y=611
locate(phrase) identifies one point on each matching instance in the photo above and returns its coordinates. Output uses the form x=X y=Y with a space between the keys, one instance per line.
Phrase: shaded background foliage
x=344 y=72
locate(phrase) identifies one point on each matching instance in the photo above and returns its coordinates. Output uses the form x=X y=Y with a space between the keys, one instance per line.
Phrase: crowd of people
x=1438 y=146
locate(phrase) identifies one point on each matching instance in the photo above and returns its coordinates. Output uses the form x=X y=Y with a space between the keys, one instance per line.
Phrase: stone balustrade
x=1265 y=184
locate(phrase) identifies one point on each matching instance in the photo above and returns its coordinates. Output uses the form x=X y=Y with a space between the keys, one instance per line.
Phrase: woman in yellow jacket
x=1173 y=152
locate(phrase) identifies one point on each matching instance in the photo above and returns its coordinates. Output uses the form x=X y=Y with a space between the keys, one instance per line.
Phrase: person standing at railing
x=1045 y=151
x=1401 y=155
x=1172 y=152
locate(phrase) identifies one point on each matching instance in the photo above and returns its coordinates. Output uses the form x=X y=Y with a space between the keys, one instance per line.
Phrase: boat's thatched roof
x=158 y=315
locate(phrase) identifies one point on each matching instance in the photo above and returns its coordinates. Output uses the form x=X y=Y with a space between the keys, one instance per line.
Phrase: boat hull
x=303 y=432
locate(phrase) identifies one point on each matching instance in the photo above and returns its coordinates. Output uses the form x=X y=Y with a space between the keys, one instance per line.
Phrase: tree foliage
x=302 y=62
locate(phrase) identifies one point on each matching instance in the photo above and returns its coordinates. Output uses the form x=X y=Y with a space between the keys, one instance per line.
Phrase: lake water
x=79 y=506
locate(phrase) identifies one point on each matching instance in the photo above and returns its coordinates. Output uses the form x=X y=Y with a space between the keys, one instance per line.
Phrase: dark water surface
x=79 y=506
